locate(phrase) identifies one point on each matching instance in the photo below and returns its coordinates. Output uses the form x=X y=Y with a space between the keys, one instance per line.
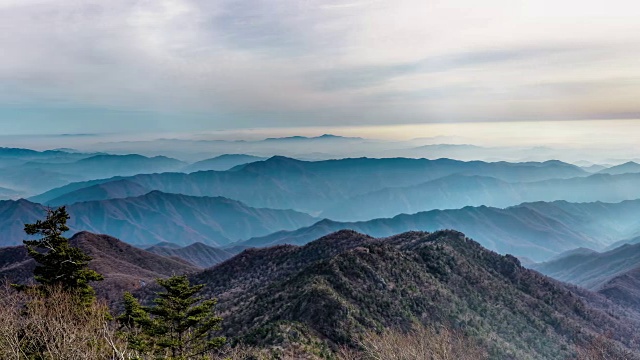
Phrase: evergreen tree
x=59 y=263
x=133 y=321
x=180 y=325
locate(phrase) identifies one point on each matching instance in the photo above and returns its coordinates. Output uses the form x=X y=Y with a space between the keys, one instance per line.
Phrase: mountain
x=222 y=162
x=67 y=192
x=617 y=244
x=594 y=168
x=324 y=294
x=13 y=215
x=124 y=267
x=628 y=167
x=43 y=173
x=449 y=192
x=106 y=165
x=116 y=189
x=572 y=252
x=285 y=183
x=16 y=156
x=198 y=253
x=614 y=273
x=33 y=180
x=592 y=269
x=307 y=139
x=6 y=194
x=536 y=230
x=157 y=217
x=457 y=191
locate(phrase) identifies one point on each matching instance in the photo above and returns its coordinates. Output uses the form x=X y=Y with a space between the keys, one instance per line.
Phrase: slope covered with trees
x=331 y=290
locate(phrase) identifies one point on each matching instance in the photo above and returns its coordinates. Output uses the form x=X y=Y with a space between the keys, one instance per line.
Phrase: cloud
x=223 y=64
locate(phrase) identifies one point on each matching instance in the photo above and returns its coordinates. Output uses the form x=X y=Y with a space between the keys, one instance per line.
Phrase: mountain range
x=614 y=273
x=537 y=230
x=284 y=183
x=626 y=168
x=379 y=188
x=222 y=162
x=457 y=191
x=27 y=173
x=157 y=217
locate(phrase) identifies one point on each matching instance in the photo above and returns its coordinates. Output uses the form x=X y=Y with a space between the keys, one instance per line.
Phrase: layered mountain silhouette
x=537 y=230
x=284 y=183
x=628 y=167
x=222 y=162
x=40 y=172
x=198 y=253
x=449 y=192
x=33 y=180
x=116 y=189
x=124 y=267
x=156 y=217
x=334 y=288
x=13 y=216
x=457 y=191
x=16 y=156
x=614 y=273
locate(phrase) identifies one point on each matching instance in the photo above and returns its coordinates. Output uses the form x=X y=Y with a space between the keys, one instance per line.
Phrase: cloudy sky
x=88 y=66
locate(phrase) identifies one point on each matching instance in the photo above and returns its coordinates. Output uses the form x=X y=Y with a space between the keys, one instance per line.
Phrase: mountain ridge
x=156 y=217
x=538 y=230
x=285 y=183
x=332 y=289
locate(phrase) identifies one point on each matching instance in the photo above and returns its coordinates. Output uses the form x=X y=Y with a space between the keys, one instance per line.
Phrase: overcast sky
x=87 y=66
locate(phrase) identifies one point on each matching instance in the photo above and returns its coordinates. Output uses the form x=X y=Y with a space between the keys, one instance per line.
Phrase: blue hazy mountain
x=222 y=162
x=286 y=183
x=628 y=167
x=457 y=191
x=31 y=172
x=159 y=217
x=537 y=230
x=613 y=273
x=198 y=254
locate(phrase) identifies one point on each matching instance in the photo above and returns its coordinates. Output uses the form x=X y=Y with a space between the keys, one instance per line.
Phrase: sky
x=135 y=66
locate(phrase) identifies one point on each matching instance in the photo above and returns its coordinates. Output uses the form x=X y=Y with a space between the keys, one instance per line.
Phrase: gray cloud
x=226 y=64
x=356 y=77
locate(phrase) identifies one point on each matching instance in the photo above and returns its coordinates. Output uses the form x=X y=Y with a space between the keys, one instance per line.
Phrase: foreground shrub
x=58 y=326
x=419 y=343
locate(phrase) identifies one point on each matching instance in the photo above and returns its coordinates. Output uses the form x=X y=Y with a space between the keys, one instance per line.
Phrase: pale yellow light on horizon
x=570 y=134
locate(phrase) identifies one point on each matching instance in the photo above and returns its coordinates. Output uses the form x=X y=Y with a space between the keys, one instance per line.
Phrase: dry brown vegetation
x=419 y=343
x=55 y=327
x=603 y=348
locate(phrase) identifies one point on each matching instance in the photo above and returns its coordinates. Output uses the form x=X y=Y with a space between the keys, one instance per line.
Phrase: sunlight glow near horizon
x=592 y=134
x=576 y=133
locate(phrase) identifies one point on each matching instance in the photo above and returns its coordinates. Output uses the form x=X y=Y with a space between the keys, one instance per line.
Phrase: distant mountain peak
x=321 y=137
x=627 y=167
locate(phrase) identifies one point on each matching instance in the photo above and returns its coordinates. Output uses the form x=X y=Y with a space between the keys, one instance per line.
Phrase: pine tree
x=133 y=321
x=180 y=325
x=59 y=263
